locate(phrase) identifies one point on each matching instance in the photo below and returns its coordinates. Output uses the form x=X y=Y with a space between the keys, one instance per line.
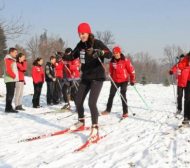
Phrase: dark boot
x=22 y=109
x=17 y=108
x=11 y=111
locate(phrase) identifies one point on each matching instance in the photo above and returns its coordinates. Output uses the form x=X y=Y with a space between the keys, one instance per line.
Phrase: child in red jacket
x=38 y=80
x=72 y=75
x=120 y=70
x=21 y=65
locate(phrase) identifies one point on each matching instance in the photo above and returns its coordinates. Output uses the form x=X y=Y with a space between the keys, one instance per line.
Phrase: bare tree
x=106 y=37
x=14 y=28
x=171 y=52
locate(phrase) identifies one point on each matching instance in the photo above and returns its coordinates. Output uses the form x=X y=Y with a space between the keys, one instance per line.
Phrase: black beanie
x=68 y=50
x=182 y=56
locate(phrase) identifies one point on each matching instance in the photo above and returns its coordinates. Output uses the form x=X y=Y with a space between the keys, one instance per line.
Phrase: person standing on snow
x=89 y=50
x=59 y=66
x=181 y=76
x=73 y=77
x=185 y=65
x=50 y=79
x=21 y=65
x=10 y=78
x=38 y=80
x=120 y=71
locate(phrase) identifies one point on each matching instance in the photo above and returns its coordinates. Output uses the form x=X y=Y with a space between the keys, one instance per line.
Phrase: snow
x=146 y=140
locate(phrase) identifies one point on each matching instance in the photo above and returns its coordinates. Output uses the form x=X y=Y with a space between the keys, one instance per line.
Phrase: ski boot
x=125 y=115
x=106 y=112
x=21 y=108
x=66 y=107
x=80 y=125
x=94 y=135
x=178 y=112
x=185 y=122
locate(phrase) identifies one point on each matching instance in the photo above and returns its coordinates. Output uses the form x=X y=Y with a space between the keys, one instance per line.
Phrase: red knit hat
x=84 y=28
x=116 y=50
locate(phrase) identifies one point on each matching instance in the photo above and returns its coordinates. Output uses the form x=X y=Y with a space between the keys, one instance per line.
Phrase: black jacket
x=49 y=72
x=91 y=67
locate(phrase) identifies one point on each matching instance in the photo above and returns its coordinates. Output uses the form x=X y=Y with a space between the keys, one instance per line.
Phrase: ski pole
x=115 y=85
x=173 y=88
x=72 y=77
x=141 y=97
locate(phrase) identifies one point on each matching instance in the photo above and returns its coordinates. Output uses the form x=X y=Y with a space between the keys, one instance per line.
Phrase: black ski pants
x=113 y=90
x=50 y=91
x=37 y=93
x=187 y=101
x=94 y=87
x=10 y=87
x=179 y=97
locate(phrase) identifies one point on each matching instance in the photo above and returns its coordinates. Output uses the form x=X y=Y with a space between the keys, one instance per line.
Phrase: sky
x=137 y=25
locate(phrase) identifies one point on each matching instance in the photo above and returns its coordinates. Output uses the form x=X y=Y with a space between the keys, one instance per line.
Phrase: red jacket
x=21 y=69
x=121 y=70
x=59 y=66
x=185 y=65
x=74 y=67
x=38 y=74
x=181 y=75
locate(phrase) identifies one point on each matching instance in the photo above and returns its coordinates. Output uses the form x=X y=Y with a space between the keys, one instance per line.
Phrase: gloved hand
x=97 y=53
x=132 y=83
x=171 y=72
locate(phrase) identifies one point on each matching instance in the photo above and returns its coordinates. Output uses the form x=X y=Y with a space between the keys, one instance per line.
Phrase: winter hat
x=116 y=50
x=182 y=56
x=84 y=28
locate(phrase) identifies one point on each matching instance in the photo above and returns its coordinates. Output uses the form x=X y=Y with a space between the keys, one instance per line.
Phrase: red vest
x=59 y=66
x=21 y=70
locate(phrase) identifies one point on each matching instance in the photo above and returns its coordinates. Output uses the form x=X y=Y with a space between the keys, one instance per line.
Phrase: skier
x=21 y=65
x=10 y=78
x=89 y=50
x=50 y=79
x=120 y=71
x=185 y=65
x=38 y=80
x=59 y=66
x=182 y=76
x=73 y=77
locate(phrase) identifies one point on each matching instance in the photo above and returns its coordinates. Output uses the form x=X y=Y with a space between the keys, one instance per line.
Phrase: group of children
x=87 y=58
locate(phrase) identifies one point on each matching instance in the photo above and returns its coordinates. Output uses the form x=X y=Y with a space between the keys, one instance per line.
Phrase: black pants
x=50 y=90
x=70 y=85
x=179 y=97
x=10 y=86
x=187 y=101
x=57 y=90
x=37 y=93
x=123 y=89
x=94 y=87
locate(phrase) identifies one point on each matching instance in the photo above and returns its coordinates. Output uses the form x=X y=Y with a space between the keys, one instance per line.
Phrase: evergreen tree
x=166 y=82
x=144 y=79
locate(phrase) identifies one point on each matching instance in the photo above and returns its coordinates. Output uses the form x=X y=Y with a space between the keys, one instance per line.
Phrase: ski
x=66 y=116
x=88 y=143
x=123 y=118
x=56 y=111
x=52 y=134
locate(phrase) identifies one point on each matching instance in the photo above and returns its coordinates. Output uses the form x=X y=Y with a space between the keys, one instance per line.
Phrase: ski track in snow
x=146 y=140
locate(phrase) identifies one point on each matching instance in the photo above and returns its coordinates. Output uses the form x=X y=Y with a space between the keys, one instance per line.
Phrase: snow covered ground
x=141 y=141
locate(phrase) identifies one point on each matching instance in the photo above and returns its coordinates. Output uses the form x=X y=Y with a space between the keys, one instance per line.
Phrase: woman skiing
x=120 y=71
x=89 y=50
x=38 y=80
x=21 y=65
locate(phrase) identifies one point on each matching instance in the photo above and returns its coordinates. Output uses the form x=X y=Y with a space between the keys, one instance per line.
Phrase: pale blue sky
x=138 y=25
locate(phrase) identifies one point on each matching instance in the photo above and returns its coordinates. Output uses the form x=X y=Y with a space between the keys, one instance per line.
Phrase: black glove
x=171 y=72
x=97 y=53
x=68 y=66
x=132 y=83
